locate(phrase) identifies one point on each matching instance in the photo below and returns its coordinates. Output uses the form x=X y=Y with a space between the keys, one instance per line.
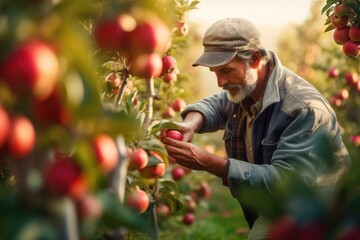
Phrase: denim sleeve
x=214 y=110
x=297 y=151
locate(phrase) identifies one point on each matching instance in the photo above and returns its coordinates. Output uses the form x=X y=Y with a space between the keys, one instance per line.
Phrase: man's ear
x=255 y=59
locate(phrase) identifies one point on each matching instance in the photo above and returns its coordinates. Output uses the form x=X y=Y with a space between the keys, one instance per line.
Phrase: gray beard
x=243 y=92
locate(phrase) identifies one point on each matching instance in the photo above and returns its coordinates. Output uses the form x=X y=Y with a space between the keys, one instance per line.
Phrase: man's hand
x=194 y=157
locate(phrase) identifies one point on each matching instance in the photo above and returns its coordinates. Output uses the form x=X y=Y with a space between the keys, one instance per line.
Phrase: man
x=272 y=119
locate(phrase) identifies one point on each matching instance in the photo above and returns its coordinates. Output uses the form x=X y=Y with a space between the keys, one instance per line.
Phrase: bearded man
x=271 y=117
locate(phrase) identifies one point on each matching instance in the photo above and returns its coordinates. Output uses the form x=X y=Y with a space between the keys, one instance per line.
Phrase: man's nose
x=221 y=81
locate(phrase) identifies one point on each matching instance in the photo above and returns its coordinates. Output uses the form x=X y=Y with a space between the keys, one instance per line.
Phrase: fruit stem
x=150 y=93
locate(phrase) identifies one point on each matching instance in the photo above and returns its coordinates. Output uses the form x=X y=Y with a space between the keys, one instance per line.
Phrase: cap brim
x=214 y=59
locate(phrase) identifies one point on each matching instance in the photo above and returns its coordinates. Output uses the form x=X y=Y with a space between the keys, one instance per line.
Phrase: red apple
x=63 y=177
x=343 y=94
x=138 y=199
x=174 y=134
x=169 y=77
x=351 y=49
x=342 y=9
x=178 y=104
x=169 y=64
x=138 y=159
x=154 y=171
x=51 y=110
x=204 y=190
x=90 y=207
x=354 y=33
x=163 y=210
x=190 y=204
x=339 y=21
x=149 y=36
x=146 y=65
x=112 y=33
x=4 y=125
x=351 y=78
x=188 y=218
x=341 y=35
x=22 y=136
x=355 y=139
x=284 y=228
x=32 y=69
x=335 y=101
x=114 y=80
x=168 y=112
x=177 y=173
x=182 y=28
x=106 y=152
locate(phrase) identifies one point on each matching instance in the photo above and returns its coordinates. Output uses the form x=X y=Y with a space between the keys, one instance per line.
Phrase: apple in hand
x=174 y=134
x=138 y=199
x=31 y=70
x=138 y=159
x=106 y=152
x=22 y=136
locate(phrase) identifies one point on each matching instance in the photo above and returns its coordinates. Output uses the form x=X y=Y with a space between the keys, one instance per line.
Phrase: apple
x=283 y=228
x=190 y=204
x=188 y=218
x=351 y=78
x=22 y=136
x=182 y=28
x=149 y=36
x=339 y=21
x=154 y=171
x=341 y=35
x=355 y=139
x=343 y=94
x=4 y=125
x=204 y=190
x=177 y=173
x=146 y=65
x=31 y=70
x=169 y=77
x=138 y=199
x=114 y=80
x=169 y=64
x=174 y=134
x=169 y=112
x=112 y=33
x=63 y=177
x=178 y=105
x=106 y=152
x=335 y=101
x=51 y=110
x=354 y=33
x=138 y=159
x=342 y=9
x=162 y=210
x=351 y=49
x=89 y=207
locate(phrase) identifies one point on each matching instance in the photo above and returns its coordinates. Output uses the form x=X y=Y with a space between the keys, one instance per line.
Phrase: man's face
x=237 y=78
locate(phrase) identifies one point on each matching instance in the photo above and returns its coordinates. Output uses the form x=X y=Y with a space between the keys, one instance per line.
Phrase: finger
x=173 y=142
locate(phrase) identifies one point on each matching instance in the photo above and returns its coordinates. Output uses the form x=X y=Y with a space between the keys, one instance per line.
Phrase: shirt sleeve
x=214 y=110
